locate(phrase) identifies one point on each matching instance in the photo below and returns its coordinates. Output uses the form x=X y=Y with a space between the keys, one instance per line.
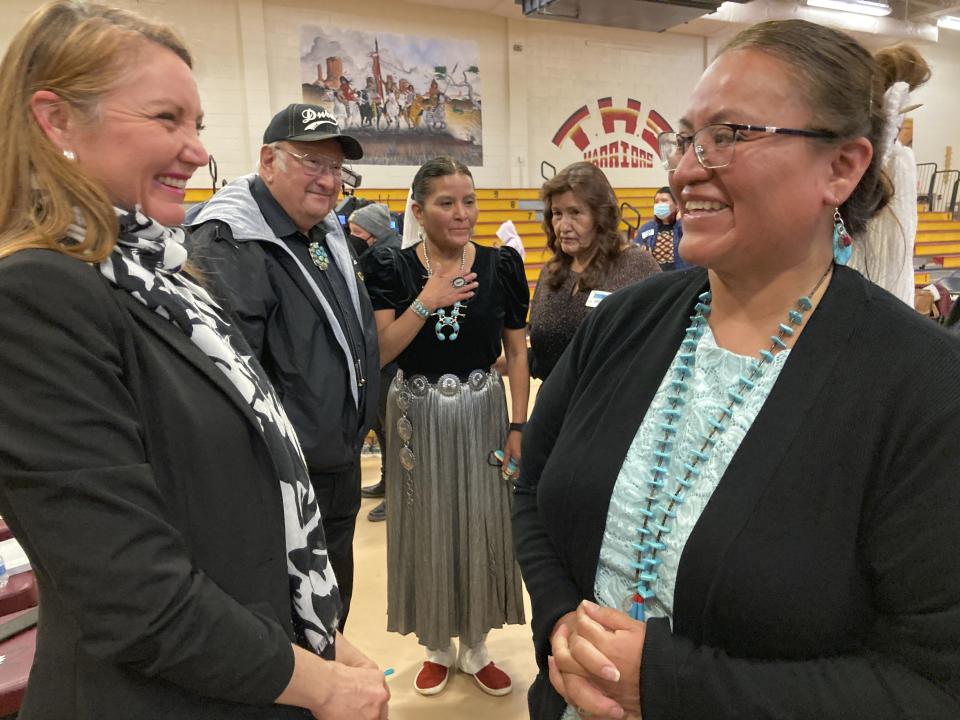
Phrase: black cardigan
x=134 y=476
x=823 y=578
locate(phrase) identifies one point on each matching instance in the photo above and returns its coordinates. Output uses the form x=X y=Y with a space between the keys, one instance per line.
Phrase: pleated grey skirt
x=451 y=571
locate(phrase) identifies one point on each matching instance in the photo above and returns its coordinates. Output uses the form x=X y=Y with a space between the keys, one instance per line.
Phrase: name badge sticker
x=647 y=233
x=595 y=296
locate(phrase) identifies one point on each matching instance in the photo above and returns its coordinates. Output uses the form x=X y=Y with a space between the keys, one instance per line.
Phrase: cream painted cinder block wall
x=212 y=30
x=534 y=74
x=568 y=66
x=248 y=67
x=937 y=124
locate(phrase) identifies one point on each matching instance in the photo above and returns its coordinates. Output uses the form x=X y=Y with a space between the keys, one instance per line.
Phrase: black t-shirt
x=395 y=277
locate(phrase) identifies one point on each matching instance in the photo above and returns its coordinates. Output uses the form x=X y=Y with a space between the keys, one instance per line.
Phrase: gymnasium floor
x=510 y=647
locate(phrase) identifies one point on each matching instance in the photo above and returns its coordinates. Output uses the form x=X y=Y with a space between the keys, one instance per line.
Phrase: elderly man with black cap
x=276 y=256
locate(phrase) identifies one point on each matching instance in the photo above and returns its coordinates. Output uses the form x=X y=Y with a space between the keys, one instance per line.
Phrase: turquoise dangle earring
x=842 y=242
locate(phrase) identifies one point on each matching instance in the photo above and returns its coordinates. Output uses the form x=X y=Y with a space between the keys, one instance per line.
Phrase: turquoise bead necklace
x=660 y=506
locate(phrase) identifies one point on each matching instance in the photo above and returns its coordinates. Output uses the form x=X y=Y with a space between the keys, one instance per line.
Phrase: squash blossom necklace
x=457 y=314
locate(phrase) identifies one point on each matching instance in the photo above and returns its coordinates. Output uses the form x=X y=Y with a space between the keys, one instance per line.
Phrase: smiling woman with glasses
x=734 y=496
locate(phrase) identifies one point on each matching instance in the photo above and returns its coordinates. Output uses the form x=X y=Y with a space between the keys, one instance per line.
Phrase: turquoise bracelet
x=420 y=309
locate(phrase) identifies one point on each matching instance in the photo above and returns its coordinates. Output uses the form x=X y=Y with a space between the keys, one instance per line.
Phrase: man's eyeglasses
x=314 y=166
x=714 y=144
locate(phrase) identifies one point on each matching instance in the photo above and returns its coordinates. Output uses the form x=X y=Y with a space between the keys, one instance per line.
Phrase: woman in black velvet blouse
x=444 y=307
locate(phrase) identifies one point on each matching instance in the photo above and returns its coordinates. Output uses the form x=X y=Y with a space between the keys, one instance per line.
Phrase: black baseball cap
x=310 y=123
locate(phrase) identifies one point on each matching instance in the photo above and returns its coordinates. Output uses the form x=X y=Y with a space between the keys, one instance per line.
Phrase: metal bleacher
x=925 y=182
x=936 y=252
x=943 y=190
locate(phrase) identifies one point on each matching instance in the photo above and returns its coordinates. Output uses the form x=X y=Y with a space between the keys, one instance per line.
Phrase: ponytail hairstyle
x=902 y=63
x=435 y=168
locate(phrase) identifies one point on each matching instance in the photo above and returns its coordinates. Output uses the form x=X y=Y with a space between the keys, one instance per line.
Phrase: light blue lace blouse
x=715 y=372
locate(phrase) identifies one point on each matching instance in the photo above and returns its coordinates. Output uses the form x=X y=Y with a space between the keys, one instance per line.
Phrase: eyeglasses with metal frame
x=714 y=145
x=315 y=166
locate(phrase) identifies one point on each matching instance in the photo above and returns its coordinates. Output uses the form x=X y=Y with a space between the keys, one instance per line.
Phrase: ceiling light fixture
x=860 y=7
x=951 y=22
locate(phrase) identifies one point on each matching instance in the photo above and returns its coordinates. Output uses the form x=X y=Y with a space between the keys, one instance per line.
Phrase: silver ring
x=458 y=282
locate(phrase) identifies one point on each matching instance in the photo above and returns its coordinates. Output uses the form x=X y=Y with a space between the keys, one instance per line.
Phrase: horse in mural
x=391 y=111
x=435 y=118
x=368 y=110
x=347 y=112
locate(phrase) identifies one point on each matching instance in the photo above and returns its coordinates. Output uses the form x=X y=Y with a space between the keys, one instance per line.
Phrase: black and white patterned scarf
x=146 y=262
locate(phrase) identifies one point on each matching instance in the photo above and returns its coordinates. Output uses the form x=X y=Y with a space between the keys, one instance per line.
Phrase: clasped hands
x=595 y=663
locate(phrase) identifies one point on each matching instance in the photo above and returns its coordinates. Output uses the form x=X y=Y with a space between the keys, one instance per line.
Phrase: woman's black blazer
x=133 y=475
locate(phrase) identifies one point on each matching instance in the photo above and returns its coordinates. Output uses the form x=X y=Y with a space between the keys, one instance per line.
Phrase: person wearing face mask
x=591 y=259
x=369 y=228
x=277 y=257
x=661 y=236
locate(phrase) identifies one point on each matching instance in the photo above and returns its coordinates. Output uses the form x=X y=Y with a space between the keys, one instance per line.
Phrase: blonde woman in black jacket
x=146 y=464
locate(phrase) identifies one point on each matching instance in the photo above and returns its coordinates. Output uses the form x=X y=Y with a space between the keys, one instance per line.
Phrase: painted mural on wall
x=405 y=98
x=614 y=136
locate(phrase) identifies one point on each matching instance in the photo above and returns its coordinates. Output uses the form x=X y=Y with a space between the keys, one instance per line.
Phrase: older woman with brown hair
x=146 y=465
x=736 y=498
x=591 y=259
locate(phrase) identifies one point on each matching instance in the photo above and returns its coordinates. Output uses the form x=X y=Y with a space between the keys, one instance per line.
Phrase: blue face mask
x=662 y=210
